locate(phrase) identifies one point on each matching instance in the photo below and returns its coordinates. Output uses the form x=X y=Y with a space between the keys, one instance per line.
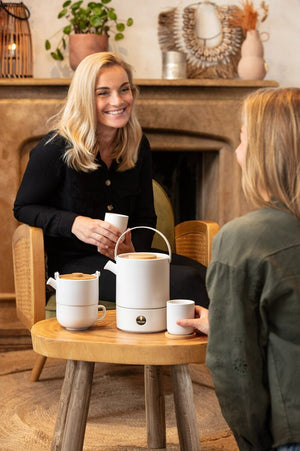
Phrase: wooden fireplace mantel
x=177 y=115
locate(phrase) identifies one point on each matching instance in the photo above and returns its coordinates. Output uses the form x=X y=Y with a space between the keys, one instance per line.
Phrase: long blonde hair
x=271 y=117
x=77 y=121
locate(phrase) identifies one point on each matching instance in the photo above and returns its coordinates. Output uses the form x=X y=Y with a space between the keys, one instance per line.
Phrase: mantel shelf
x=146 y=82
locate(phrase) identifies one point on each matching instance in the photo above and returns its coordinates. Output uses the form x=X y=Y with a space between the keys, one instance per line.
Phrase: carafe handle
x=145 y=227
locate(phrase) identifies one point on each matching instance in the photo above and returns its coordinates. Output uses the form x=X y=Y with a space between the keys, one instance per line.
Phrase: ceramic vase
x=252 y=64
x=82 y=45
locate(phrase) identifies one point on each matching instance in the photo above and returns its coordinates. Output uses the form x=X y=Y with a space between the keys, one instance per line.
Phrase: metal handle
x=144 y=227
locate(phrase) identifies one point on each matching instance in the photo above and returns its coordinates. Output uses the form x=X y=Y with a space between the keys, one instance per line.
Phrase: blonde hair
x=77 y=121
x=271 y=118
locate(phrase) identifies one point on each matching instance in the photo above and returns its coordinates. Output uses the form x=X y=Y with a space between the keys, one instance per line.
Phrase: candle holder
x=15 y=41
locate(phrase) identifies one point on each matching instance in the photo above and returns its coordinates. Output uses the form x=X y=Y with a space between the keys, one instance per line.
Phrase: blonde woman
x=253 y=283
x=96 y=159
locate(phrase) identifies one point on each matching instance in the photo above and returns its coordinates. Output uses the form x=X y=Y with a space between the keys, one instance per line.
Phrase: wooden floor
x=116 y=417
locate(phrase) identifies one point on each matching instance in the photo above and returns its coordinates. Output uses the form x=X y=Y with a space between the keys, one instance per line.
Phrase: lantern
x=15 y=41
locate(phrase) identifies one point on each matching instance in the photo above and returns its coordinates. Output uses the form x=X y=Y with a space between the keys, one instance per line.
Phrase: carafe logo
x=141 y=320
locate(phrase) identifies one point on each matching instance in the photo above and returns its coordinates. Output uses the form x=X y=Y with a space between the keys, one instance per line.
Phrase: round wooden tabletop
x=103 y=342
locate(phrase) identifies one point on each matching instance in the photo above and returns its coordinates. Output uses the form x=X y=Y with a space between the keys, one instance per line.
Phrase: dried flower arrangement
x=247 y=17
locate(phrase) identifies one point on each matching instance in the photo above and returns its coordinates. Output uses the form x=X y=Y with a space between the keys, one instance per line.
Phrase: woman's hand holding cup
x=200 y=322
x=117 y=224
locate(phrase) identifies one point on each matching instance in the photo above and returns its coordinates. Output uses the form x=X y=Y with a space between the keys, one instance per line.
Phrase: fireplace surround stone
x=195 y=116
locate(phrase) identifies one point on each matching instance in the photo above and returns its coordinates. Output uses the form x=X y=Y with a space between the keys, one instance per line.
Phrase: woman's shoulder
x=144 y=143
x=262 y=231
x=51 y=144
x=261 y=221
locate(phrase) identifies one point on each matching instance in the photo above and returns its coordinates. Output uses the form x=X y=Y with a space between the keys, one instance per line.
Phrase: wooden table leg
x=38 y=368
x=155 y=407
x=63 y=406
x=73 y=406
x=185 y=410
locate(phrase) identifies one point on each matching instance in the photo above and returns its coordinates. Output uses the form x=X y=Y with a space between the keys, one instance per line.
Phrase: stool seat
x=105 y=343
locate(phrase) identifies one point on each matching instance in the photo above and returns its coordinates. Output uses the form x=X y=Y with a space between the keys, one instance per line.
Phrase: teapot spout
x=111 y=266
x=52 y=282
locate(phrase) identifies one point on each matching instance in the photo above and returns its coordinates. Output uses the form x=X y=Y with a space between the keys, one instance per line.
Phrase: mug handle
x=103 y=308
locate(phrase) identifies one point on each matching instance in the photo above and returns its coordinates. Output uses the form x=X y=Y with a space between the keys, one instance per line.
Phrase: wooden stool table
x=105 y=343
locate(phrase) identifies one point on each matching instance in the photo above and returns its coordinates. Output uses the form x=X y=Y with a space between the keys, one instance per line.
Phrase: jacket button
x=107 y=182
x=110 y=207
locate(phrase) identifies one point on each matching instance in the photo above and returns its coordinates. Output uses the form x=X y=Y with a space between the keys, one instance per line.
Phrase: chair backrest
x=194 y=239
x=29 y=274
x=165 y=218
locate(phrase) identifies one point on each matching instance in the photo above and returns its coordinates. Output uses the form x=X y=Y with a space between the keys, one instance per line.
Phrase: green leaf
x=59 y=54
x=64 y=45
x=82 y=25
x=97 y=10
x=47 y=44
x=62 y=13
x=112 y=15
x=96 y=21
x=129 y=22
x=120 y=27
x=119 y=36
x=67 y=29
x=67 y=3
x=76 y=5
x=106 y=1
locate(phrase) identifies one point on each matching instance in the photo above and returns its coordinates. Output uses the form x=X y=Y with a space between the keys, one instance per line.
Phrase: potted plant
x=88 y=29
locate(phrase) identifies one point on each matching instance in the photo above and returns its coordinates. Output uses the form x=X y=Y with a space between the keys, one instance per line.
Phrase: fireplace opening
x=178 y=173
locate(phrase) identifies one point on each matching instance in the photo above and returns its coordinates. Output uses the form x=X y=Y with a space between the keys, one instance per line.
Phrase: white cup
x=77 y=297
x=78 y=317
x=117 y=220
x=179 y=309
x=80 y=291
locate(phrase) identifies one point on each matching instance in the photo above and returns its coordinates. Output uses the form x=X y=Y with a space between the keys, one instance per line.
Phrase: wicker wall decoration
x=212 y=54
x=15 y=41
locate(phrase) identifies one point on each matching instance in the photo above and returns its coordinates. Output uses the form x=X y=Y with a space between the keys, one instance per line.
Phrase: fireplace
x=193 y=128
x=184 y=173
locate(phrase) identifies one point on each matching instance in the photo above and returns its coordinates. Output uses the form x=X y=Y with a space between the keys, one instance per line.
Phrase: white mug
x=179 y=309
x=78 y=317
x=117 y=220
x=80 y=291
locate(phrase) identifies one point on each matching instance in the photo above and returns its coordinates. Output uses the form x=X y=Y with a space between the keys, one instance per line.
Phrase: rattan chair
x=190 y=238
x=30 y=279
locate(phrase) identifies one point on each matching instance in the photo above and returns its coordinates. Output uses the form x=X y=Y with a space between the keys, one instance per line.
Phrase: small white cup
x=119 y=221
x=179 y=309
x=78 y=317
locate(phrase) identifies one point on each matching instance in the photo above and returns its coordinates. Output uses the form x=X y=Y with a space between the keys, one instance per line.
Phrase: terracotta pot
x=82 y=45
x=252 y=64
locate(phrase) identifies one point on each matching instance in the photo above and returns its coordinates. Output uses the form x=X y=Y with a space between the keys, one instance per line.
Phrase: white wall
x=140 y=47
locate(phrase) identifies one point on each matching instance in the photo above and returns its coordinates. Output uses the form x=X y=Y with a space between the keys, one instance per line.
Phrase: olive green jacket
x=253 y=351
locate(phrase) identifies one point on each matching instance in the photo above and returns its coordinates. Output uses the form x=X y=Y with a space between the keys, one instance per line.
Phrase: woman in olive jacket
x=253 y=283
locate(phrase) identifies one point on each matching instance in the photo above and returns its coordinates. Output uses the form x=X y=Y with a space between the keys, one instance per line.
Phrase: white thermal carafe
x=142 y=288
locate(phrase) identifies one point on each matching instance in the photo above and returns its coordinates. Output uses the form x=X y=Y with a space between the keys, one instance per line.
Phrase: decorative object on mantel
x=88 y=30
x=173 y=65
x=252 y=65
x=15 y=41
x=203 y=32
